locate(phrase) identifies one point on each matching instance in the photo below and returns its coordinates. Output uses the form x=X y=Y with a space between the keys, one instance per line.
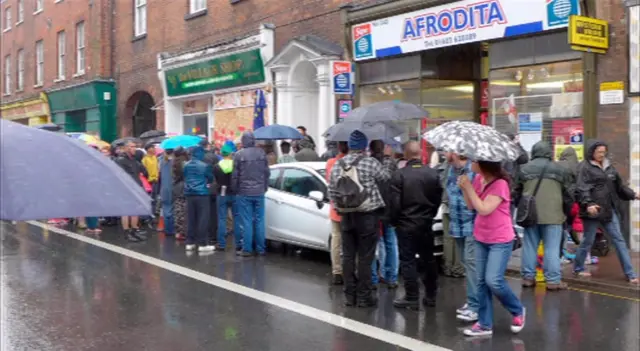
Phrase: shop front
x=88 y=107
x=212 y=92
x=490 y=61
x=31 y=112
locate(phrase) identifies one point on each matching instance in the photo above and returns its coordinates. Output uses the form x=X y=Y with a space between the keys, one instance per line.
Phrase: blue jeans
x=167 y=213
x=388 y=258
x=251 y=212
x=491 y=264
x=551 y=236
x=224 y=204
x=613 y=228
x=466 y=250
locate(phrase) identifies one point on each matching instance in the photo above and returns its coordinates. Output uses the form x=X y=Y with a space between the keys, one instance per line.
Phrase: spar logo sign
x=362 y=41
x=341 y=77
x=559 y=11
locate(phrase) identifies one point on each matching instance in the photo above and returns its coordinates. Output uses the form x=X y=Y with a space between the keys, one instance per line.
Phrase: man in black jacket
x=128 y=162
x=415 y=195
x=599 y=190
x=212 y=160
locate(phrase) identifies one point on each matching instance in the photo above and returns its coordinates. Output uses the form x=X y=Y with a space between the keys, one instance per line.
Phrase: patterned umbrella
x=473 y=140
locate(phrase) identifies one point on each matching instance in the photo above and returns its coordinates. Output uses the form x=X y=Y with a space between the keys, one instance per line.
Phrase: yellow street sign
x=609 y=86
x=588 y=34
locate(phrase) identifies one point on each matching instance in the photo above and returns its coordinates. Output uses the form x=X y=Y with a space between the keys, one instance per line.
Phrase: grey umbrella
x=50 y=127
x=373 y=130
x=49 y=175
x=387 y=111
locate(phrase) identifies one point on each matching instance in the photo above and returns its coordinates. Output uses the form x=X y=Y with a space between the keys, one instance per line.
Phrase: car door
x=306 y=221
x=273 y=199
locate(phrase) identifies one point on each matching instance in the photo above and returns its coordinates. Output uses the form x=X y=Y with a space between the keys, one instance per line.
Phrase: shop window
x=76 y=121
x=539 y=102
x=389 y=70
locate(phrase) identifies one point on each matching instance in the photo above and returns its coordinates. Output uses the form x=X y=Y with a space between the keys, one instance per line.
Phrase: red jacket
x=577 y=222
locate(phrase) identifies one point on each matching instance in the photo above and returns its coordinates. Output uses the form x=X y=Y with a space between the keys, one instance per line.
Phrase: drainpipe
x=589 y=67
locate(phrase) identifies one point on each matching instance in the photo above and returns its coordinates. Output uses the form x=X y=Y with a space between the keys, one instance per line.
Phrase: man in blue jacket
x=249 y=182
x=197 y=178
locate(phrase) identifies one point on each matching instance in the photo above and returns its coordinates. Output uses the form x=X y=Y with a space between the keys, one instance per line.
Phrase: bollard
x=540 y=265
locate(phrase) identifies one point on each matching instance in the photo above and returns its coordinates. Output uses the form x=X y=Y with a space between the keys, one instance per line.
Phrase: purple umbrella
x=49 y=175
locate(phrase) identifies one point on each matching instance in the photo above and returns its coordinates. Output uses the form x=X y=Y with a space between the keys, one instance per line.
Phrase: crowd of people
x=382 y=207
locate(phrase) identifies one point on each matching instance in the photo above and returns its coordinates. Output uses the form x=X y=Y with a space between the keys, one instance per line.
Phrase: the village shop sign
x=220 y=73
x=458 y=23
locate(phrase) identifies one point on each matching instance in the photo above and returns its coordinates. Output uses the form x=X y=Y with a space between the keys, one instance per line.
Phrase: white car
x=297 y=207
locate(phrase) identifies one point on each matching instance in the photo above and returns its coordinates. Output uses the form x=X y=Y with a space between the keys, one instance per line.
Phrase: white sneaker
x=190 y=247
x=462 y=309
x=517 y=323
x=208 y=248
x=468 y=316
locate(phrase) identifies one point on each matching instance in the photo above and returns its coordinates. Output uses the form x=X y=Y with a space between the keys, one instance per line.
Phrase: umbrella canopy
x=473 y=140
x=50 y=127
x=277 y=132
x=152 y=134
x=87 y=138
x=48 y=175
x=387 y=111
x=123 y=141
x=373 y=130
x=185 y=141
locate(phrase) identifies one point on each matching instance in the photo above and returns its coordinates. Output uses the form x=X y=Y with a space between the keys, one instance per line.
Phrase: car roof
x=309 y=165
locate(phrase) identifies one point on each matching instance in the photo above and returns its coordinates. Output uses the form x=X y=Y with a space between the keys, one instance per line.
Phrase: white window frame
x=62 y=53
x=20 y=11
x=7 y=19
x=39 y=7
x=80 y=48
x=7 y=75
x=20 y=79
x=196 y=6
x=39 y=63
x=140 y=18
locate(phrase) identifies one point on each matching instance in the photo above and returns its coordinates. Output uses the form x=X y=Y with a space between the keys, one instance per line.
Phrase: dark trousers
x=360 y=233
x=417 y=241
x=213 y=220
x=198 y=220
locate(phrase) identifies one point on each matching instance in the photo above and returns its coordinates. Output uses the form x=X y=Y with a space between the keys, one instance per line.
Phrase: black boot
x=129 y=235
x=370 y=301
x=429 y=301
x=407 y=302
x=337 y=279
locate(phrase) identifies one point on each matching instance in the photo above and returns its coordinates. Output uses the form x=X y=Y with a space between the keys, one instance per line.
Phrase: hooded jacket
x=600 y=185
x=332 y=151
x=222 y=173
x=553 y=200
x=166 y=179
x=197 y=174
x=306 y=153
x=250 y=176
x=212 y=160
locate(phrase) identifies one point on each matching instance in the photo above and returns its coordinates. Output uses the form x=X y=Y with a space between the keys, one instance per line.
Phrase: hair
x=343 y=147
x=494 y=169
x=285 y=147
x=302 y=128
x=150 y=146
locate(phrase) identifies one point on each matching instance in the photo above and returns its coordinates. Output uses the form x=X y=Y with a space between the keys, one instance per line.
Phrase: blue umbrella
x=185 y=141
x=49 y=175
x=276 y=132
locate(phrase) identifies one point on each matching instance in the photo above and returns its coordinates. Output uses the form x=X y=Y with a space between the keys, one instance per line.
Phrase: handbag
x=527 y=215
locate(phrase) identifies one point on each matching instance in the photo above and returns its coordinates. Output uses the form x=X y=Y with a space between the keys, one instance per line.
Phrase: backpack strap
x=354 y=164
x=544 y=169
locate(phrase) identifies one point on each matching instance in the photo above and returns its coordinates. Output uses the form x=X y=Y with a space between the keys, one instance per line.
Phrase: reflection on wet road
x=59 y=293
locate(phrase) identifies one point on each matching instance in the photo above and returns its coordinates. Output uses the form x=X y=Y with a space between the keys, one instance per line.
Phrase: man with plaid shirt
x=360 y=230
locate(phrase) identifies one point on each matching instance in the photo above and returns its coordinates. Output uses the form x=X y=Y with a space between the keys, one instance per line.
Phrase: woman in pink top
x=489 y=196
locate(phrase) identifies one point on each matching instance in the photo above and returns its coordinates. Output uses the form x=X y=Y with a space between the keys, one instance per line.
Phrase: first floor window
x=20 y=70
x=39 y=63
x=197 y=5
x=140 y=18
x=61 y=54
x=80 y=54
x=7 y=18
x=39 y=5
x=7 y=74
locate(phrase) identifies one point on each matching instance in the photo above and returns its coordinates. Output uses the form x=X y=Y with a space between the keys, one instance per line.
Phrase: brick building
x=181 y=30
x=56 y=65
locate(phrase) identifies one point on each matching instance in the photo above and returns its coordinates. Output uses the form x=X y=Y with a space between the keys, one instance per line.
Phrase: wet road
x=61 y=293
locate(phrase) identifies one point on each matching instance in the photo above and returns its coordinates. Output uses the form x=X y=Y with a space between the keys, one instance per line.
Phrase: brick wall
x=169 y=31
x=55 y=17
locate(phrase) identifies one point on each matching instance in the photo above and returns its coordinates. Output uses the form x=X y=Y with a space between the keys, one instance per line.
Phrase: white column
x=281 y=87
x=173 y=122
x=325 y=98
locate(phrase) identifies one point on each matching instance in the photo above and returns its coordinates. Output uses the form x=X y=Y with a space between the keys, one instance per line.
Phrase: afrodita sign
x=458 y=23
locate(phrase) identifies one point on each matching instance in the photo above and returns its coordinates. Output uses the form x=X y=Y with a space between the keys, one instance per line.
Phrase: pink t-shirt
x=496 y=227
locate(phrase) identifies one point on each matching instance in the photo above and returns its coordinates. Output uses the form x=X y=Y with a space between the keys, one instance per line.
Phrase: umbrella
x=185 y=141
x=87 y=138
x=373 y=130
x=152 y=134
x=123 y=141
x=277 y=132
x=79 y=181
x=50 y=127
x=387 y=111
x=473 y=140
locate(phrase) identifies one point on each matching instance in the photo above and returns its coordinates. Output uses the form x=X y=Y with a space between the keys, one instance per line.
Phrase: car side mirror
x=317 y=196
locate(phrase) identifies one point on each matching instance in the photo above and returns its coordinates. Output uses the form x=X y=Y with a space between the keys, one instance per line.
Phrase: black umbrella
x=123 y=141
x=50 y=127
x=387 y=111
x=152 y=134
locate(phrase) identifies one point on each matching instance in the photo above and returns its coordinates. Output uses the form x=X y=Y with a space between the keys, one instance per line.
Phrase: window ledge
x=6 y=94
x=38 y=86
x=197 y=14
x=79 y=74
x=235 y=1
x=19 y=91
x=57 y=1
x=58 y=80
x=6 y=30
x=38 y=12
x=19 y=23
x=139 y=37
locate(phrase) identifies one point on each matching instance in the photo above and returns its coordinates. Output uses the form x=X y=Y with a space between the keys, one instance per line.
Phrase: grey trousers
x=452 y=261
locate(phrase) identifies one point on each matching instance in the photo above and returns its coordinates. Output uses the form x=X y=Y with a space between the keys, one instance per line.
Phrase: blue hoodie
x=166 y=180
x=250 y=176
x=197 y=174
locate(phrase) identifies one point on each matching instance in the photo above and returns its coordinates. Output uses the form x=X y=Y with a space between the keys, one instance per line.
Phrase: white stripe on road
x=308 y=311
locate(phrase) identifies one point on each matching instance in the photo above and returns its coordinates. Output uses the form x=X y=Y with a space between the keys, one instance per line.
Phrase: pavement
x=65 y=291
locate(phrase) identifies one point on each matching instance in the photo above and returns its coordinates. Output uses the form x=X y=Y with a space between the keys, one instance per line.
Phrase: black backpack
x=350 y=195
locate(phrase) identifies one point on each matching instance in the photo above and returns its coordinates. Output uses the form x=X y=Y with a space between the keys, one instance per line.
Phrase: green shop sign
x=220 y=73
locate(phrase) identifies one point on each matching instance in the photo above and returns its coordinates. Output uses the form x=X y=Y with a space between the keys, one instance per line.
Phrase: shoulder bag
x=527 y=215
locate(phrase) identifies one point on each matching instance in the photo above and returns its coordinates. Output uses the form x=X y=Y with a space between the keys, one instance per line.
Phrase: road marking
x=307 y=311
x=605 y=294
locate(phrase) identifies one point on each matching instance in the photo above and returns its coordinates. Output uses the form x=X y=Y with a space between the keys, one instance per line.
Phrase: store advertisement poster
x=341 y=77
x=458 y=23
x=567 y=133
x=559 y=148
